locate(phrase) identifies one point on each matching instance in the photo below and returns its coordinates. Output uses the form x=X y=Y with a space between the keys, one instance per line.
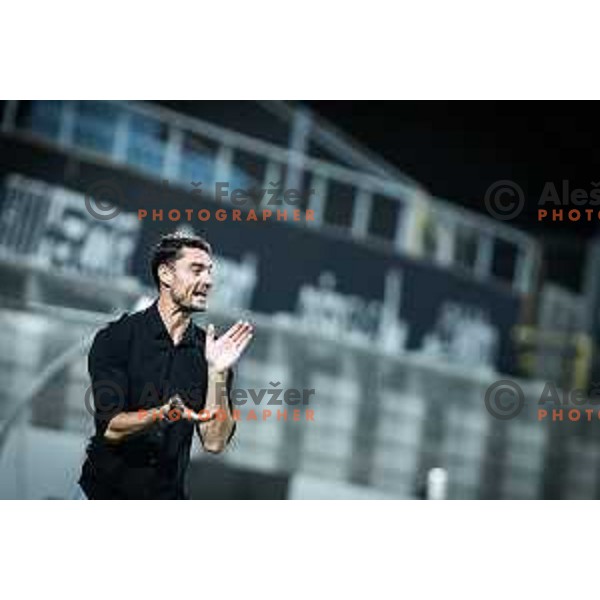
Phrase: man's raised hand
x=223 y=353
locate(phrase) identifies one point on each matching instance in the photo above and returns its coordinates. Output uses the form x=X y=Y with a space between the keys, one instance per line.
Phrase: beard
x=187 y=303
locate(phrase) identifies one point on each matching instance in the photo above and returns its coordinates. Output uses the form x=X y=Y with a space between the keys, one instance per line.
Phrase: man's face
x=191 y=279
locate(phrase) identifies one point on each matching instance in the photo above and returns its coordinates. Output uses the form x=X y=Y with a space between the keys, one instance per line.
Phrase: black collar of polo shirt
x=158 y=330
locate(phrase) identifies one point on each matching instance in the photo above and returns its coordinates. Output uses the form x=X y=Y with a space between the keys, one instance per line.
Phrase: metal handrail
x=266 y=149
x=409 y=195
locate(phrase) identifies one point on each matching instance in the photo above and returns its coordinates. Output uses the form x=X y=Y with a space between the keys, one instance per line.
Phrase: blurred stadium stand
x=399 y=309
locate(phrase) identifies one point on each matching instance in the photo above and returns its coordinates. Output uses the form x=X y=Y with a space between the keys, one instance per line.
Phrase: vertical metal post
x=485 y=252
x=407 y=238
x=316 y=201
x=173 y=153
x=447 y=239
x=406 y=227
x=298 y=141
x=273 y=174
x=522 y=268
x=223 y=164
x=361 y=213
x=67 y=123
x=121 y=140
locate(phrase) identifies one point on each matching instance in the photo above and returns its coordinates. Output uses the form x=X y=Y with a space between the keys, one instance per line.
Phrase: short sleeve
x=107 y=366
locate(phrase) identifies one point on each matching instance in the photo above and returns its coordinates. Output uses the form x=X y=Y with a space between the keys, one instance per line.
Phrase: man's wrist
x=216 y=374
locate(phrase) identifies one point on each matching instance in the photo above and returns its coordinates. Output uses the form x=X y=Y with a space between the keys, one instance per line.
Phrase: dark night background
x=457 y=149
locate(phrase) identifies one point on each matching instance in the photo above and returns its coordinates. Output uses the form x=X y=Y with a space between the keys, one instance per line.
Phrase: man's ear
x=165 y=275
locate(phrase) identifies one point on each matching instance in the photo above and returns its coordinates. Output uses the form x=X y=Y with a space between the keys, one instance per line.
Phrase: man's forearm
x=127 y=423
x=216 y=432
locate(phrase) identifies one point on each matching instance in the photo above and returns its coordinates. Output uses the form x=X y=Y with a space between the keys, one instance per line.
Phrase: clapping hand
x=223 y=352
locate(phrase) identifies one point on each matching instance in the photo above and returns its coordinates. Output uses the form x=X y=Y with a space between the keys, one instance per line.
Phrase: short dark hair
x=169 y=250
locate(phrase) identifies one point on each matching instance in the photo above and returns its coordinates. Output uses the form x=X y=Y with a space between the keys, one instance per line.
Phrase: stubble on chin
x=186 y=304
x=197 y=309
x=193 y=307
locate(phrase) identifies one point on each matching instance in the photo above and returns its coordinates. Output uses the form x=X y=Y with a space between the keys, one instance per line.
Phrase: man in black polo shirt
x=155 y=378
